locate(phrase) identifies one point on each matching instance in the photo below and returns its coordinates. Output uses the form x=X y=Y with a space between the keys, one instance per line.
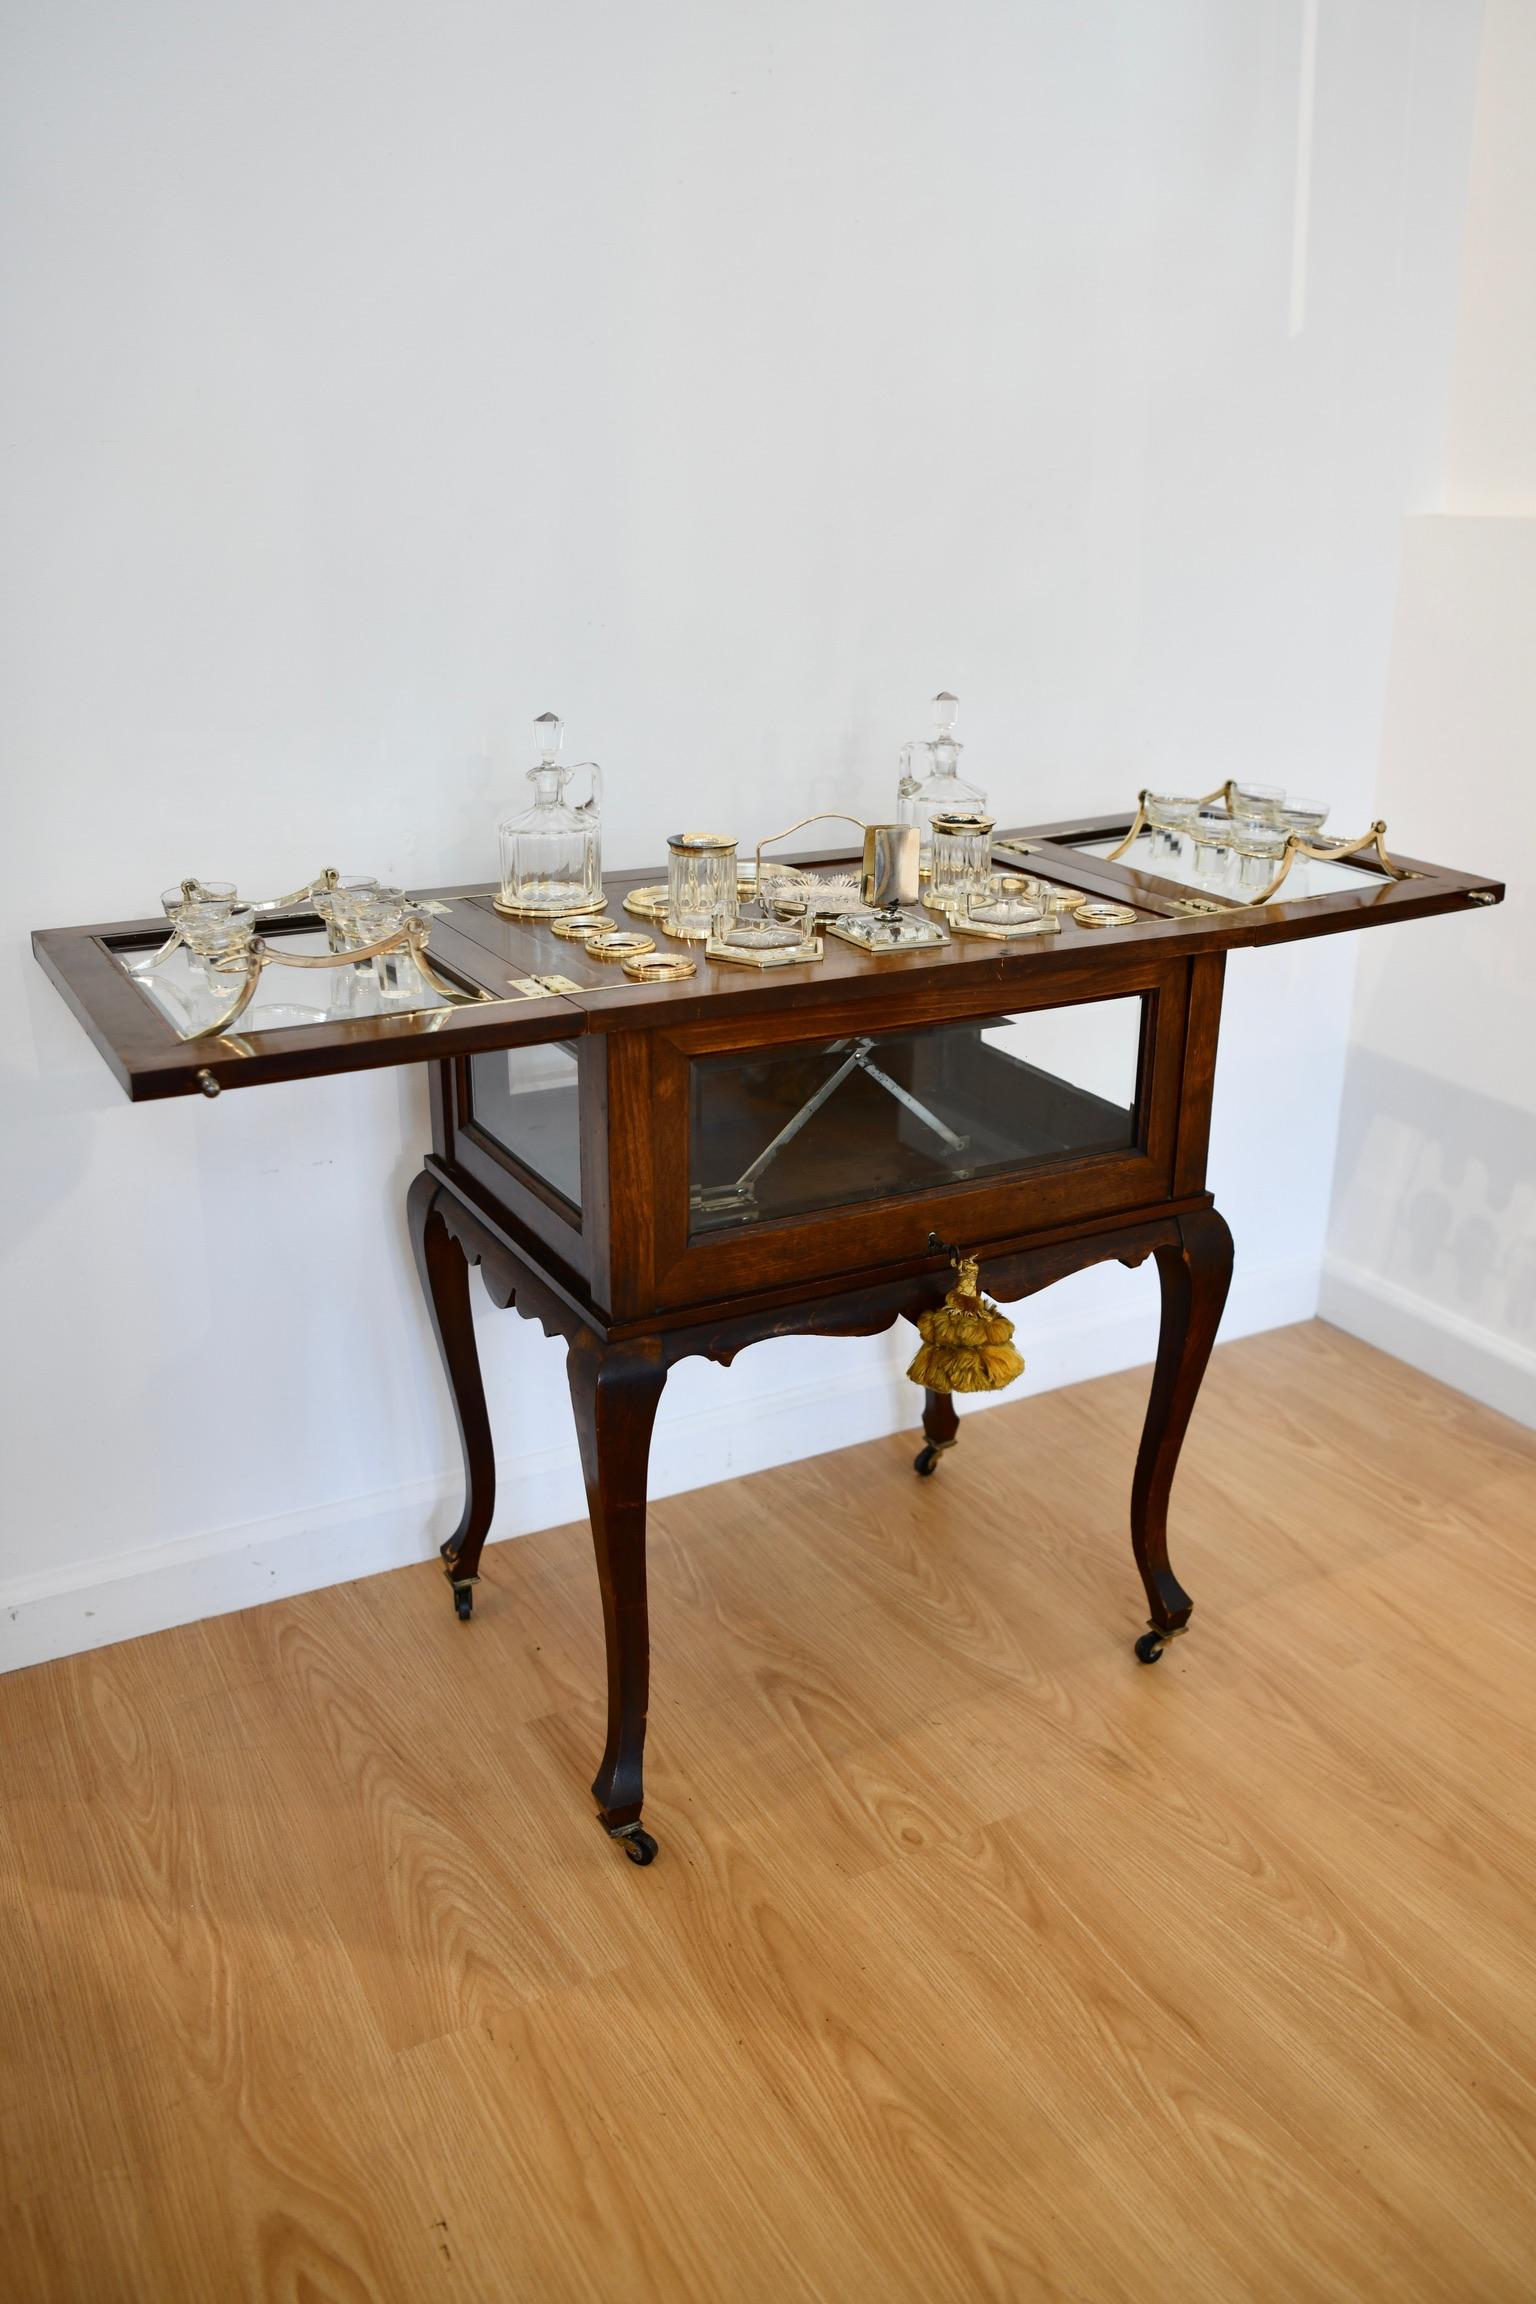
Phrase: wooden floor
x=978 y=1961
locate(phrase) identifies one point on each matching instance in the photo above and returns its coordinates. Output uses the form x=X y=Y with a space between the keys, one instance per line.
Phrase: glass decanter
x=931 y=784
x=551 y=862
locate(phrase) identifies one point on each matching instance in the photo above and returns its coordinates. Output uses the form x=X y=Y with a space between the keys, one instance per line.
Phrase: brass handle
x=822 y=816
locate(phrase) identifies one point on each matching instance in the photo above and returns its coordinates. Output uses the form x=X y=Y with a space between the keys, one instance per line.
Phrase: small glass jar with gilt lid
x=962 y=858
x=701 y=884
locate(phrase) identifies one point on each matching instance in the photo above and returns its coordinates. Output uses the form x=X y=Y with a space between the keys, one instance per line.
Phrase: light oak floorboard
x=979 y=1962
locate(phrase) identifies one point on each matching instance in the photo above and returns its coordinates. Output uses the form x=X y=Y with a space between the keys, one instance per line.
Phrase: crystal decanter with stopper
x=551 y=863
x=931 y=784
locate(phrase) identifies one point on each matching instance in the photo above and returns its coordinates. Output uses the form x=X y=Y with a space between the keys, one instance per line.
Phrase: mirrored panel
x=1176 y=860
x=192 y=994
x=525 y=1101
x=814 y=1126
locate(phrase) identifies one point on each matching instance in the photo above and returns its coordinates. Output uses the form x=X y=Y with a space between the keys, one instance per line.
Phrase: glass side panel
x=193 y=996
x=1308 y=876
x=820 y=1125
x=525 y=1100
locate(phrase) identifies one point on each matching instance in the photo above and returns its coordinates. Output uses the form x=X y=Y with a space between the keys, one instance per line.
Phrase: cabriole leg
x=1195 y=1274
x=615 y=1393
x=941 y=1429
x=444 y=1273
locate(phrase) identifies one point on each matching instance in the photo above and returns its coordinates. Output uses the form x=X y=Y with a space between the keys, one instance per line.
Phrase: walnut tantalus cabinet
x=657 y=1170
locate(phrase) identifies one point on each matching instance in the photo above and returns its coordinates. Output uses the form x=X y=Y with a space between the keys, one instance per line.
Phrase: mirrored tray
x=1308 y=876
x=191 y=998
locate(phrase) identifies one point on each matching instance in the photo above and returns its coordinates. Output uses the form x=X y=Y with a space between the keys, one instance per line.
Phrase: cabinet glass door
x=524 y=1102
x=811 y=1126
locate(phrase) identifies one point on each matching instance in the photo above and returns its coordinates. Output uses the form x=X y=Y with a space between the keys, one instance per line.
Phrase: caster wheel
x=463 y=1602
x=926 y=1462
x=1148 y=1648
x=638 y=1846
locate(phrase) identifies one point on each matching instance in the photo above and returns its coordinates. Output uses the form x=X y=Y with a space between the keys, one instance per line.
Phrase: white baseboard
x=1443 y=1344
x=65 y=1611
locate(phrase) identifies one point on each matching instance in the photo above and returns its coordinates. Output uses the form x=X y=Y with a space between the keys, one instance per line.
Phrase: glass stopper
x=946 y=710
x=548 y=730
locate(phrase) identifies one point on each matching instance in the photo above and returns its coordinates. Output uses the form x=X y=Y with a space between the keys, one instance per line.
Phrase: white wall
x=729 y=380
x=1432 y=1247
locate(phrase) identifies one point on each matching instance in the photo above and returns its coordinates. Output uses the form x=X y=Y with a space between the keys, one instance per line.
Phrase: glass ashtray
x=887 y=929
x=748 y=942
x=1002 y=914
x=762 y=935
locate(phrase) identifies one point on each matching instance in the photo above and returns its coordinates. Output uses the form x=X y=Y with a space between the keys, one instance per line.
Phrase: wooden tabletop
x=473 y=943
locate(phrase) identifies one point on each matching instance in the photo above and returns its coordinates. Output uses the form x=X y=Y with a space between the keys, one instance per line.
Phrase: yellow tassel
x=967 y=1343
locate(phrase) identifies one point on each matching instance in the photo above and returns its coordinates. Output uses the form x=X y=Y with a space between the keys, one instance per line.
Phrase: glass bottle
x=931 y=784
x=550 y=857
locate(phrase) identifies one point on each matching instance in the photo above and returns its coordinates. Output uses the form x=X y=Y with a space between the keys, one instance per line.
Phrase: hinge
x=542 y=987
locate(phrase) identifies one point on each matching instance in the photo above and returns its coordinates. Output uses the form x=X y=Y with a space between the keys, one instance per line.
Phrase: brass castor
x=463 y=1587
x=926 y=1462
x=636 y=1843
x=1149 y=1647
